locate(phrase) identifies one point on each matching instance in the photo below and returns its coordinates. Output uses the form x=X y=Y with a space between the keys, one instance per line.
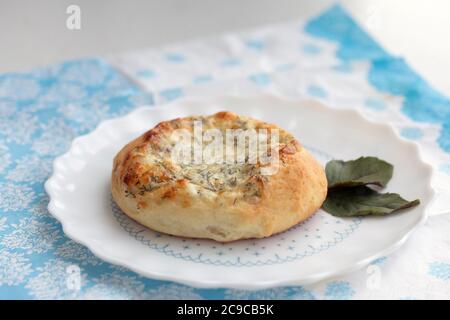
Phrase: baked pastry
x=222 y=200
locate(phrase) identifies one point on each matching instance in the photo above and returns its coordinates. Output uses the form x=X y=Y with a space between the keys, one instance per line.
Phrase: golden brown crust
x=219 y=202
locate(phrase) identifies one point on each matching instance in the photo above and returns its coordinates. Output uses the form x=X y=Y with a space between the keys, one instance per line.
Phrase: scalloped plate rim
x=97 y=249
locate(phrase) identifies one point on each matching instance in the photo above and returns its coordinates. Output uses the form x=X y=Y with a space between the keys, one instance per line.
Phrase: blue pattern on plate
x=202 y=251
x=43 y=110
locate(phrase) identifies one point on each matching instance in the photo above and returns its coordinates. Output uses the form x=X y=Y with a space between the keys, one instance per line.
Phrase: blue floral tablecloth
x=329 y=57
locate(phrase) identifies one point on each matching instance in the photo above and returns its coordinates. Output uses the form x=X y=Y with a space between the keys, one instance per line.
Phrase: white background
x=34 y=33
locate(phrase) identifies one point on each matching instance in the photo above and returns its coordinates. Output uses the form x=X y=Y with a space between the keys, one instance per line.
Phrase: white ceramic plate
x=320 y=247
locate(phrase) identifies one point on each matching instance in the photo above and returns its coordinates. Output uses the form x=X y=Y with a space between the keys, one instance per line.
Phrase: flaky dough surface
x=224 y=202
